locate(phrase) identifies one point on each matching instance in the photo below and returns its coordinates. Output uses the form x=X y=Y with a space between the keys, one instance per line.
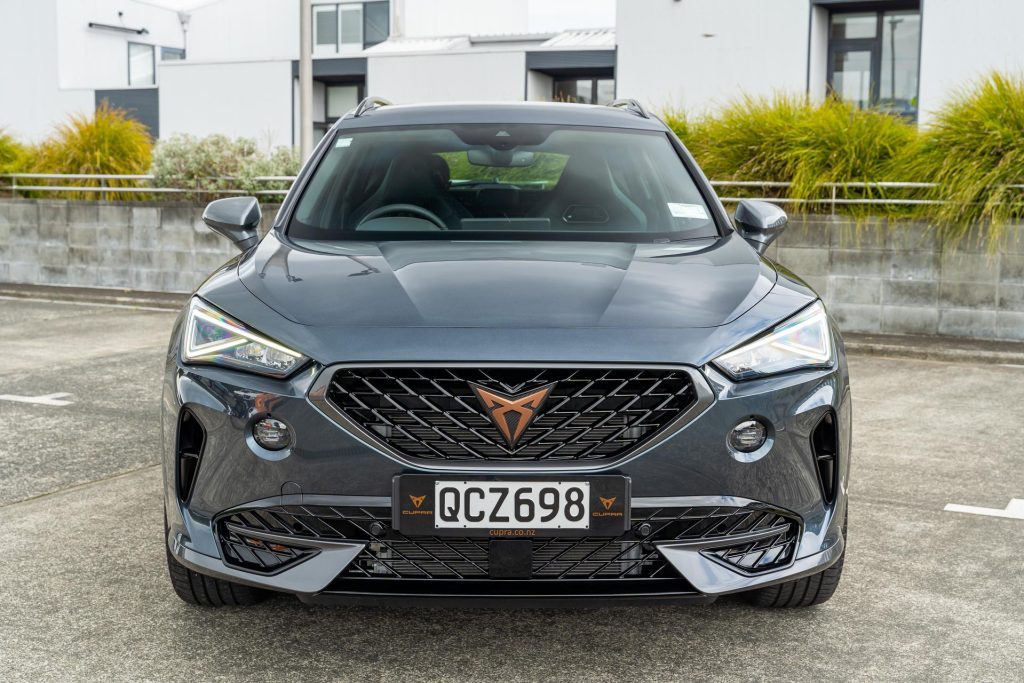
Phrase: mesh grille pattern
x=709 y=523
x=590 y=413
x=258 y=555
x=389 y=554
x=553 y=558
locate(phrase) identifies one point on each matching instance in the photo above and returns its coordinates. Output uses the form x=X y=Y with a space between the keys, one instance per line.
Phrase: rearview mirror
x=759 y=223
x=237 y=218
x=503 y=158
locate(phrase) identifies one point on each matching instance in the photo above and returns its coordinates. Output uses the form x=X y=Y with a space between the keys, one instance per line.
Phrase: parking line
x=43 y=400
x=1014 y=509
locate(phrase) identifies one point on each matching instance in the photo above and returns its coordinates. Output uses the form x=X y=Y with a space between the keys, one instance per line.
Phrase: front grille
x=467 y=558
x=392 y=555
x=590 y=413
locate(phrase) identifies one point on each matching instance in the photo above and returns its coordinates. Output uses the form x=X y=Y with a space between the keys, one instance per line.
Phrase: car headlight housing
x=213 y=337
x=803 y=341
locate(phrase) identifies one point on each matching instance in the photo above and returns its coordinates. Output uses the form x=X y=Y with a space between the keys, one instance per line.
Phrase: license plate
x=432 y=505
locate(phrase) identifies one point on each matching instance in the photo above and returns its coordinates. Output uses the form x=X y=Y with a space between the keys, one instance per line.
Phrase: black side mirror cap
x=759 y=223
x=237 y=218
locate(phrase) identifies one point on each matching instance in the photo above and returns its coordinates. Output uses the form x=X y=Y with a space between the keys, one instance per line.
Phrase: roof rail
x=369 y=104
x=632 y=106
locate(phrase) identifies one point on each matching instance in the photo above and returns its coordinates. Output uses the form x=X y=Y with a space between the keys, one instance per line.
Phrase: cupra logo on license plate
x=512 y=414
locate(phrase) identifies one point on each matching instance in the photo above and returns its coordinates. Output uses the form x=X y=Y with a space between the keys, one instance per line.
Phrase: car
x=504 y=355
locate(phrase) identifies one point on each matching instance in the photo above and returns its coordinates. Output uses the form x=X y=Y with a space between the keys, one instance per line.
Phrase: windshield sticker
x=687 y=210
x=343 y=142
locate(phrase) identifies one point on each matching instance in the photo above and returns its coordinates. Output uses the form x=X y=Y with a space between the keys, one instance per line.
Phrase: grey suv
x=504 y=354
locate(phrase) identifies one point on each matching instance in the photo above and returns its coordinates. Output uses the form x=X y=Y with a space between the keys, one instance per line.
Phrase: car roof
x=550 y=113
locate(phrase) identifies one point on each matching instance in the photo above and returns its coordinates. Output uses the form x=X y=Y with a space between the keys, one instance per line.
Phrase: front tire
x=810 y=590
x=806 y=592
x=206 y=591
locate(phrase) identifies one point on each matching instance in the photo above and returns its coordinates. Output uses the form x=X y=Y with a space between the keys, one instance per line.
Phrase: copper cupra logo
x=512 y=414
x=607 y=502
x=417 y=501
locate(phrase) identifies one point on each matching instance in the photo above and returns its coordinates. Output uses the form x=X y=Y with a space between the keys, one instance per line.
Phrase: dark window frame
x=363 y=19
x=874 y=46
x=574 y=79
x=152 y=58
x=174 y=50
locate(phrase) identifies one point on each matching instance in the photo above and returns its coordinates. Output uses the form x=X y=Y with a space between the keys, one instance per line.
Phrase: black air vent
x=825 y=446
x=191 y=437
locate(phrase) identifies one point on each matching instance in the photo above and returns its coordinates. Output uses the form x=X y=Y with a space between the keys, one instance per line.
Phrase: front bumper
x=329 y=466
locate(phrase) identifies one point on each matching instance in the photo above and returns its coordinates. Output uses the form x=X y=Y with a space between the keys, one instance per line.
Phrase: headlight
x=213 y=337
x=803 y=341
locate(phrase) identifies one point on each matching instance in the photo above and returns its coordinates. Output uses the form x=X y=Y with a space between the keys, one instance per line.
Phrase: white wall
x=699 y=54
x=244 y=30
x=98 y=58
x=238 y=99
x=30 y=102
x=422 y=18
x=460 y=77
x=539 y=86
x=428 y=18
x=817 y=73
x=961 y=42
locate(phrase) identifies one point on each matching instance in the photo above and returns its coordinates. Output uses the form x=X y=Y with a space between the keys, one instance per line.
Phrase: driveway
x=928 y=594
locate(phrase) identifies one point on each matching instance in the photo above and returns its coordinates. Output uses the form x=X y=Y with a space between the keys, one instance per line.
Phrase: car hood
x=491 y=284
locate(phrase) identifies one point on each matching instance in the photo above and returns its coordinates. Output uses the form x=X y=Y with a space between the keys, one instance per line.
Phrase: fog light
x=271 y=434
x=748 y=436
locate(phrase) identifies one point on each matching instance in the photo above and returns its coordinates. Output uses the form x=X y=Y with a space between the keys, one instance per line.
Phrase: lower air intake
x=825 y=446
x=191 y=438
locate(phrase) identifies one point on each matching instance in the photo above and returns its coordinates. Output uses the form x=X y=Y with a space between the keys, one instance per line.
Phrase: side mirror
x=759 y=223
x=237 y=218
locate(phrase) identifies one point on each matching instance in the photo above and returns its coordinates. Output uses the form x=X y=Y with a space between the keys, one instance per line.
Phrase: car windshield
x=497 y=182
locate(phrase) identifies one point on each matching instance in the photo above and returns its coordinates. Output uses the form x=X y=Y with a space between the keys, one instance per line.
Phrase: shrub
x=788 y=139
x=974 y=150
x=108 y=142
x=834 y=143
x=750 y=139
x=684 y=126
x=216 y=163
x=12 y=154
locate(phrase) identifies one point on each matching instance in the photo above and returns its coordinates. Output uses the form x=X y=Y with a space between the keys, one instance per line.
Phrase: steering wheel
x=389 y=209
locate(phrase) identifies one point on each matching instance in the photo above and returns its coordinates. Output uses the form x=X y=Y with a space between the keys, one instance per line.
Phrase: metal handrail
x=832 y=200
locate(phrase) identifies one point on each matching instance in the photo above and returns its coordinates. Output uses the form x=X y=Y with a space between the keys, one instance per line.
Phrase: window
x=349 y=27
x=537 y=182
x=325 y=28
x=873 y=59
x=584 y=90
x=171 y=54
x=340 y=99
x=376 y=23
x=141 y=64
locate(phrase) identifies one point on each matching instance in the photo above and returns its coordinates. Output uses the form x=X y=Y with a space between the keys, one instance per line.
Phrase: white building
x=230 y=66
x=907 y=56
x=66 y=56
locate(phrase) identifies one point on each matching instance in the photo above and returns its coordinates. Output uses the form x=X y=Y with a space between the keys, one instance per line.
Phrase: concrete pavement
x=927 y=594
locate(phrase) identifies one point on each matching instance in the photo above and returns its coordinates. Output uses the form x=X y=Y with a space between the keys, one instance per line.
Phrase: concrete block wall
x=152 y=247
x=875 y=277
x=899 y=278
